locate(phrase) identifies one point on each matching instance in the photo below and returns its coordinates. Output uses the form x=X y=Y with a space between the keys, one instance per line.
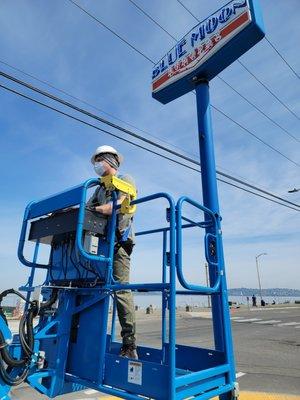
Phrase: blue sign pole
x=220 y=309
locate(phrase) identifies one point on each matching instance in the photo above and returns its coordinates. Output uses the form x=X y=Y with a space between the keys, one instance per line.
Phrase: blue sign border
x=231 y=51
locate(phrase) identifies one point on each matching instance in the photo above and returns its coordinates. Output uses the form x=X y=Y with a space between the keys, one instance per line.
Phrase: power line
x=152 y=19
x=258 y=109
x=111 y=30
x=98 y=109
x=131 y=133
x=188 y=10
x=255 y=136
x=281 y=56
x=269 y=90
x=137 y=145
x=223 y=113
x=68 y=94
x=247 y=69
x=86 y=103
x=92 y=125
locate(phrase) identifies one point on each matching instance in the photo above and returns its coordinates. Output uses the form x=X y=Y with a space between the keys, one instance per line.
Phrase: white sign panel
x=135 y=372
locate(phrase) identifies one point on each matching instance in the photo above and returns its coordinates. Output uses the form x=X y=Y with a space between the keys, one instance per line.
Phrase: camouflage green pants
x=124 y=298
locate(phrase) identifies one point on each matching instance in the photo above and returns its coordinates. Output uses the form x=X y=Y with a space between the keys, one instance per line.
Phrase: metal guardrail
x=208 y=236
x=77 y=196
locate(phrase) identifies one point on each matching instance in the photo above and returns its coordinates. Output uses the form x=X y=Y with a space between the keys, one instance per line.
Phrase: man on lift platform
x=106 y=161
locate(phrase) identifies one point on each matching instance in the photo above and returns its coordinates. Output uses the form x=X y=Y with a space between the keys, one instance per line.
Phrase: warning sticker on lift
x=135 y=372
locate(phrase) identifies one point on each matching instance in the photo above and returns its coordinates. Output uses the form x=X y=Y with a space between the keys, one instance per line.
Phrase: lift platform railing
x=179 y=371
x=70 y=198
x=171 y=228
x=211 y=245
x=185 y=382
x=167 y=286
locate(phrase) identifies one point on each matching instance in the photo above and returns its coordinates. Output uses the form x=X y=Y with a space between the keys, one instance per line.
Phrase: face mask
x=99 y=168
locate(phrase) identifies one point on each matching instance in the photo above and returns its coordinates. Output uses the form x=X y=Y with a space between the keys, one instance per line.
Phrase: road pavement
x=266 y=343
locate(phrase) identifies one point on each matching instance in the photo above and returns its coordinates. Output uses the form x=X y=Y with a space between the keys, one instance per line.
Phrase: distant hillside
x=281 y=292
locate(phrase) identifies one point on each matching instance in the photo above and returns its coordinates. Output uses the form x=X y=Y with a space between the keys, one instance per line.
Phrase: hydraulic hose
x=12 y=291
x=51 y=301
x=8 y=379
x=6 y=356
x=27 y=347
x=26 y=341
x=26 y=336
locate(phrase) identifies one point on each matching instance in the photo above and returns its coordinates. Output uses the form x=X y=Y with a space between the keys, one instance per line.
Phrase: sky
x=43 y=153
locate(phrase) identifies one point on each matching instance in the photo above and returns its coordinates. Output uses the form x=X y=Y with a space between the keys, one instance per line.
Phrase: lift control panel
x=59 y=225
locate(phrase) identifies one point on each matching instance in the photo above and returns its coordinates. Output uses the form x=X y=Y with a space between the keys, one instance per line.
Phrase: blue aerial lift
x=69 y=348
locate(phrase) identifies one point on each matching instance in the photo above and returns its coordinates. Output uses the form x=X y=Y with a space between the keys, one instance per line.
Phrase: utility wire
x=93 y=126
x=281 y=56
x=219 y=77
x=255 y=136
x=99 y=109
x=131 y=133
x=86 y=103
x=110 y=30
x=137 y=145
x=258 y=109
x=70 y=95
x=149 y=17
x=268 y=90
x=188 y=10
x=247 y=69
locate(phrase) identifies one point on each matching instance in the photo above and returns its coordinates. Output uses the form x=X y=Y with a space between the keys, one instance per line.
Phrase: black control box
x=61 y=224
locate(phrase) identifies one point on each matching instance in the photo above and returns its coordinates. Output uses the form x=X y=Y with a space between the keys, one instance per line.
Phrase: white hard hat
x=106 y=149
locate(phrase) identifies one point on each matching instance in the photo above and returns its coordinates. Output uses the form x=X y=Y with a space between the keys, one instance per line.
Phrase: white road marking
x=289 y=324
x=90 y=391
x=89 y=398
x=271 y=321
x=200 y=314
x=234 y=318
x=240 y=374
x=248 y=320
x=273 y=308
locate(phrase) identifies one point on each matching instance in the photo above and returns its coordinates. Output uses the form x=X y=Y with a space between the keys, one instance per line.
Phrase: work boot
x=129 y=351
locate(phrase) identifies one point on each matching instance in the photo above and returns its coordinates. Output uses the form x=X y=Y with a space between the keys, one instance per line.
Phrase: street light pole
x=258 y=275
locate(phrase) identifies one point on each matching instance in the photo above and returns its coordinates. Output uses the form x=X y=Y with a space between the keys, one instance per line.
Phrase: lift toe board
x=199 y=371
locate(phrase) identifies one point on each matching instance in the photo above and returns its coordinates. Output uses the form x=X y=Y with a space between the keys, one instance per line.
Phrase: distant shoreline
x=278 y=292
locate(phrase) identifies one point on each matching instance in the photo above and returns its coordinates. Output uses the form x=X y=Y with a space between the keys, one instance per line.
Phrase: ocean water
x=143 y=300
